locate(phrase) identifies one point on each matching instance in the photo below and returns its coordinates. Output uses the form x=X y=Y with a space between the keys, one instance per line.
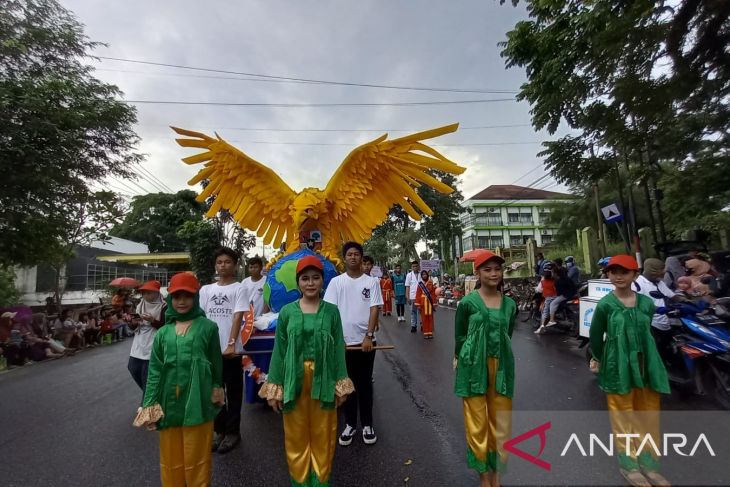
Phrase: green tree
x=201 y=240
x=642 y=82
x=92 y=217
x=9 y=294
x=154 y=219
x=439 y=229
x=60 y=128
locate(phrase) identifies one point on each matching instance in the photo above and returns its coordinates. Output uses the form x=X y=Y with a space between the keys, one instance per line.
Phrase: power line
x=156 y=185
x=263 y=129
x=307 y=80
x=316 y=105
x=147 y=171
x=354 y=144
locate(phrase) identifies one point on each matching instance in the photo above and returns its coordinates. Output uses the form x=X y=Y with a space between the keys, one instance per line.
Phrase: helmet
x=603 y=262
x=569 y=259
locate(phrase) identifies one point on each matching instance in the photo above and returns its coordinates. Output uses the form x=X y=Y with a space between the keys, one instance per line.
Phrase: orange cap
x=152 y=286
x=485 y=256
x=309 y=261
x=625 y=261
x=183 y=281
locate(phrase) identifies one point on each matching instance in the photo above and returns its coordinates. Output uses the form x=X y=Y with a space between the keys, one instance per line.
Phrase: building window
x=546 y=239
x=515 y=240
x=522 y=216
x=491 y=220
x=495 y=242
x=466 y=242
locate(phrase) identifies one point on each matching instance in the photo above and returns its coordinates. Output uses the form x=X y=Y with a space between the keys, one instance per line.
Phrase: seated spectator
x=109 y=325
x=92 y=329
x=65 y=330
x=11 y=342
x=40 y=347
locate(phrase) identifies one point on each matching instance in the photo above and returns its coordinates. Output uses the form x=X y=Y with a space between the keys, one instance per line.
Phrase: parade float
x=372 y=179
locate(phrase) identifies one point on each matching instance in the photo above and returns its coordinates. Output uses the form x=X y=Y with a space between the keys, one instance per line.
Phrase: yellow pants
x=185 y=458
x=310 y=435
x=636 y=412
x=485 y=431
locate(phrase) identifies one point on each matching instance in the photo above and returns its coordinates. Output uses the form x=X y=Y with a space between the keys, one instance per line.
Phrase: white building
x=507 y=216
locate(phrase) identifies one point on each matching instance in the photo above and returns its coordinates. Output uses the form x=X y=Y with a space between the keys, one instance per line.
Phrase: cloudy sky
x=402 y=43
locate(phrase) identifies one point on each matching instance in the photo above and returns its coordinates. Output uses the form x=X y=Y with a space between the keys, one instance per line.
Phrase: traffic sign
x=611 y=213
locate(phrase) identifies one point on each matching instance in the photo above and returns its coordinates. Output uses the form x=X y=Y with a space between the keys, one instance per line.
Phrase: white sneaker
x=347 y=435
x=368 y=435
x=551 y=323
x=540 y=330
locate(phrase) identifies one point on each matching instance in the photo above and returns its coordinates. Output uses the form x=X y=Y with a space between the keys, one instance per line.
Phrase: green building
x=507 y=216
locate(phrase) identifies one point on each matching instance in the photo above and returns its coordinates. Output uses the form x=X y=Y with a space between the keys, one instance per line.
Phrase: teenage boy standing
x=358 y=298
x=224 y=302
x=411 y=287
x=253 y=285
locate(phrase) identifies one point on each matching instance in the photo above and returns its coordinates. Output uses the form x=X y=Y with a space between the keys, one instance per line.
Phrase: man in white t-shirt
x=358 y=297
x=411 y=287
x=253 y=285
x=651 y=281
x=224 y=302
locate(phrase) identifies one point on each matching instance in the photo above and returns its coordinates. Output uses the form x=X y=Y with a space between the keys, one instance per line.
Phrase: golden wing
x=257 y=198
x=383 y=173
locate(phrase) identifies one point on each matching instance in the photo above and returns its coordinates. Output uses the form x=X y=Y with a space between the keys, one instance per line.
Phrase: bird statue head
x=306 y=206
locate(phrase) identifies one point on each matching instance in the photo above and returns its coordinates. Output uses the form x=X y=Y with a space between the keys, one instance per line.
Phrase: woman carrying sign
x=425 y=302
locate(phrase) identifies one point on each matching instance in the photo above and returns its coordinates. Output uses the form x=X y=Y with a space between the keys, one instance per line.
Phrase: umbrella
x=471 y=255
x=124 y=282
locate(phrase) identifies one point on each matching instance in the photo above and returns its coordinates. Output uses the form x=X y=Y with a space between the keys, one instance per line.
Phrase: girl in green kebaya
x=631 y=372
x=485 y=368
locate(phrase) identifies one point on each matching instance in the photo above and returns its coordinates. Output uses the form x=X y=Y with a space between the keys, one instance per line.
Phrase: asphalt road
x=68 y=422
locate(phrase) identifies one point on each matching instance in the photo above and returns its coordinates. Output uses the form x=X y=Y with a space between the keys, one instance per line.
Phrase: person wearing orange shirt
x=386 y=285
x=425 y=301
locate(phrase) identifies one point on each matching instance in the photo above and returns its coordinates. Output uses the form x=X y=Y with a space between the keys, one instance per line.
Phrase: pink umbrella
x=126 y=282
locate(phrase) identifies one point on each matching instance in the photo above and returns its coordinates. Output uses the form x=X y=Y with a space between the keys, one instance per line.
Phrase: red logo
x=509 y=445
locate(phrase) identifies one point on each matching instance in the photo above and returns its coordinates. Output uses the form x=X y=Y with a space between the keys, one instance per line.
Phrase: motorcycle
x=698 y=361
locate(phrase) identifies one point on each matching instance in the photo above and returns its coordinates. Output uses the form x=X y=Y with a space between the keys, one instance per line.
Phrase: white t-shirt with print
x=254 y=292
x=412 y=280
x=354 y=298
x=644 y=286
x=220 y=303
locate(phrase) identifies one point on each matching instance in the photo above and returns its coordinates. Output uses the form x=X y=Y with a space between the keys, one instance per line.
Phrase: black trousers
x=228 y=421
x=663 y=339
x=138 y=369
x=400 y=309
x=360 y=371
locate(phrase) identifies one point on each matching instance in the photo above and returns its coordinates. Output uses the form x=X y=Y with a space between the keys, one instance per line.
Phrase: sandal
x=655 y=478
x=635 y=478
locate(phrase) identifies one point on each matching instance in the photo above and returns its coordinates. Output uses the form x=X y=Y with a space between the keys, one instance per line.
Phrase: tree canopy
x=154 y=219
x=643 y=82
x=60 y=128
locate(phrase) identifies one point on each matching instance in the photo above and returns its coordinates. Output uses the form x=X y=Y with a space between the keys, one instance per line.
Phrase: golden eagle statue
x=373 y=178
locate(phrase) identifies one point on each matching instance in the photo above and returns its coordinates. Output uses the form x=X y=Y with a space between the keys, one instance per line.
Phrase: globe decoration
x=281 y=282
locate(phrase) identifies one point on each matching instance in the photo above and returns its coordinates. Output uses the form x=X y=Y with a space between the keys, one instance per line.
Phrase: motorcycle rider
x=566 y=290
x=573 y=270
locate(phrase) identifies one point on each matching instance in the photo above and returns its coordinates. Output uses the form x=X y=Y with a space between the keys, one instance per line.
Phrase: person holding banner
x=386 y=285
x=426 y=304
x=308 y=377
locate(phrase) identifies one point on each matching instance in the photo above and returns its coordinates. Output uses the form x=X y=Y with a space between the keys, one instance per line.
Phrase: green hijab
x=171 y=316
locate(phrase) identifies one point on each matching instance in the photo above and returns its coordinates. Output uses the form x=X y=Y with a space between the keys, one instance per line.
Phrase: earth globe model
x=281 y=281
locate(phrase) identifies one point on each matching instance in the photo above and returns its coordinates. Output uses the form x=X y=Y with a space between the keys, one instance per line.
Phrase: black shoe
x=217 y=440
x=413 y=329
x=368 y=435
x=347 y=435
x=229 y=443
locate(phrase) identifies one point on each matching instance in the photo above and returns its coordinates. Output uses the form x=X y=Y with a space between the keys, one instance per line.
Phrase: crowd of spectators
x=27 y=338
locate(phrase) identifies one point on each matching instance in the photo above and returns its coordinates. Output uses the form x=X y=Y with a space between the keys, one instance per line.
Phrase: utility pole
x=599 y=219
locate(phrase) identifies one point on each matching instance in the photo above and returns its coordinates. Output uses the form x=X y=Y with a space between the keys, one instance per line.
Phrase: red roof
x=512 y=192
